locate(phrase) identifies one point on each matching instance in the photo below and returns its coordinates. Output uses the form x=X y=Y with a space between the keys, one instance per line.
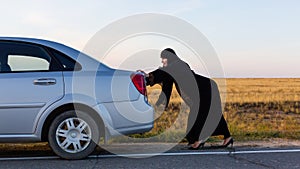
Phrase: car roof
x=71 y=52
x=57 y=46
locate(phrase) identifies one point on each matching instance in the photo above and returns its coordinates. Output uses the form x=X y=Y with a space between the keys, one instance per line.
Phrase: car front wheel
x=73 y=135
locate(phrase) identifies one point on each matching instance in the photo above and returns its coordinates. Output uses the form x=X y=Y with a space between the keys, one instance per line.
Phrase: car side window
x=23 y=57
x=27 y=63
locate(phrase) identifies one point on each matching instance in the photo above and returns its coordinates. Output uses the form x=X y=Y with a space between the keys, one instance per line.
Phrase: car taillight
x=139 y=82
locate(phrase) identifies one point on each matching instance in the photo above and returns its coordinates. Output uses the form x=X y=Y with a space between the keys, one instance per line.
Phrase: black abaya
x=200 y=102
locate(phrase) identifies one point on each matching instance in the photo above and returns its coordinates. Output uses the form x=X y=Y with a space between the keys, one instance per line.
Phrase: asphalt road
x=238 y=157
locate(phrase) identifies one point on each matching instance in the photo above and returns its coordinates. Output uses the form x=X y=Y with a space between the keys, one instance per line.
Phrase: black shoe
x=230 y=142
x=201 y=145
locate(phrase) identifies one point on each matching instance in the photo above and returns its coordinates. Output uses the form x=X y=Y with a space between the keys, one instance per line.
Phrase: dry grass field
x=255 y=109
x=263 y=108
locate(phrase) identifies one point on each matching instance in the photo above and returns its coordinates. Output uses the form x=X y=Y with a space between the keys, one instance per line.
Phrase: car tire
x=73 y=135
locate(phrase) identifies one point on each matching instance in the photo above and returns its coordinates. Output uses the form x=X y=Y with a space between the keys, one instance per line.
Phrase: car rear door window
x=23 y=57
x=27 y=63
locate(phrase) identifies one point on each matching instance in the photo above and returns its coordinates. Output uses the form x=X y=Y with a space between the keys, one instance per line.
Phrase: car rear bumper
x=127 y=117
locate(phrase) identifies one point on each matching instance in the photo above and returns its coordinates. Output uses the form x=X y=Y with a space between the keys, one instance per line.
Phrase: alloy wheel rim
x=73 y=135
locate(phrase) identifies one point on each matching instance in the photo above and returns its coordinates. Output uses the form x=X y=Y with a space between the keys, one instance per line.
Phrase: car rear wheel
x=73 y=135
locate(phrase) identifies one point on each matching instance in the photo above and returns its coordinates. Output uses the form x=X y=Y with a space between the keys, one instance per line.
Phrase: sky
x=257 y=38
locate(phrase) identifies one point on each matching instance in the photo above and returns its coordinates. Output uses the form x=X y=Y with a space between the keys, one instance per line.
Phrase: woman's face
x=164 y=61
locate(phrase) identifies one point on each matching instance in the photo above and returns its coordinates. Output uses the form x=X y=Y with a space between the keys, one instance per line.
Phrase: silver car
x=51 y=92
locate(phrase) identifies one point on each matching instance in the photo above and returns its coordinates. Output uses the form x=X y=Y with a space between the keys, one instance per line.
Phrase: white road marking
x=198 y=153
x=160 y=154
x=267 y=151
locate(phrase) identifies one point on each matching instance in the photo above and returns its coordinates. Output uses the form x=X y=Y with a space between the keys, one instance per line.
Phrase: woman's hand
x=145 y=74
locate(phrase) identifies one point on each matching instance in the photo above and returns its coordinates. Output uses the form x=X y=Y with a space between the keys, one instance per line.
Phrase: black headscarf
x=169 y=54
x=178 y=72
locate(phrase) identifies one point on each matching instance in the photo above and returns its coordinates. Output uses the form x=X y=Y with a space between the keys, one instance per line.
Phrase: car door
x=30 y=81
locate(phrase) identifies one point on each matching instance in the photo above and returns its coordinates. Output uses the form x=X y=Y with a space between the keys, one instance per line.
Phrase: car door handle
x=44 y=81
